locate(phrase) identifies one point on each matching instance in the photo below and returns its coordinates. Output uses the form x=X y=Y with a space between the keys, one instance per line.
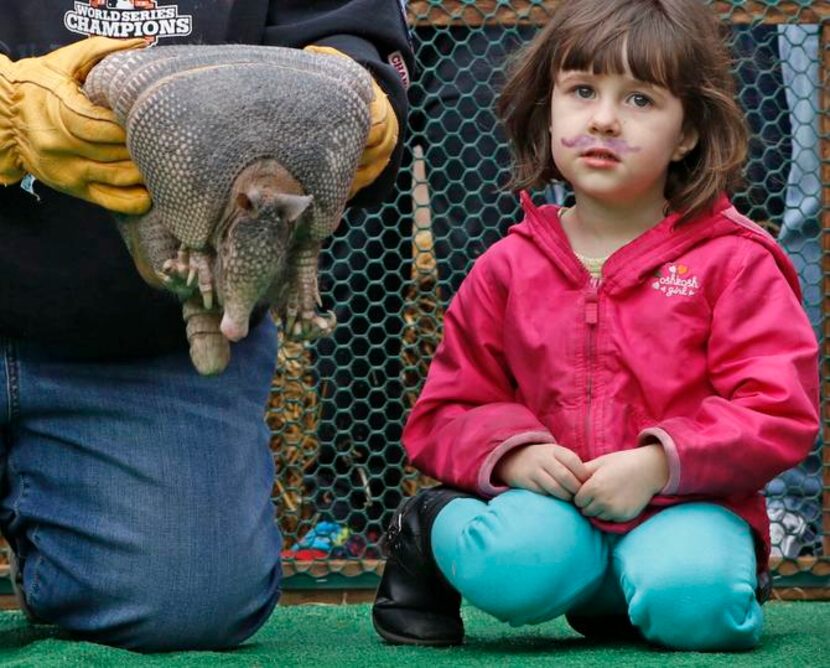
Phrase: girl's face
x=613 y=136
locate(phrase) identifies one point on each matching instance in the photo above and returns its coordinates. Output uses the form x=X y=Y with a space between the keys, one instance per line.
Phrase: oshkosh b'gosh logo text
x=677 y=282
x=128 y=18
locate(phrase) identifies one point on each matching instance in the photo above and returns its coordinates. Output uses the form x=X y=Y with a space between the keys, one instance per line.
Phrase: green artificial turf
x=797 y=634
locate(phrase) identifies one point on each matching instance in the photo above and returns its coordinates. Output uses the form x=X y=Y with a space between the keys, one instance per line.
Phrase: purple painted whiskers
x=612 y=143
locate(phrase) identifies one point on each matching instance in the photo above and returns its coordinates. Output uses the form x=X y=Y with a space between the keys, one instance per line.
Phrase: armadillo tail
x=210 y=351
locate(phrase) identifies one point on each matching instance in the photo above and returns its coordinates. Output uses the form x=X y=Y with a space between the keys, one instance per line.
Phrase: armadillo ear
x=292 y=206
x=244 y=202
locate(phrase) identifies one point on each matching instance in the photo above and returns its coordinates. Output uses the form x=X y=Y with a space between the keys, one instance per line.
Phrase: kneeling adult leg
x=138 y=496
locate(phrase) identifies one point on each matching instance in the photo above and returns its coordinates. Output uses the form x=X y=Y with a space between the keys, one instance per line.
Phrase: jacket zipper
x=591 y=320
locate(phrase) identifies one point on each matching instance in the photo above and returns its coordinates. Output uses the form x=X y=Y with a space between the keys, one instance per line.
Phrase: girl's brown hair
x=676 y=44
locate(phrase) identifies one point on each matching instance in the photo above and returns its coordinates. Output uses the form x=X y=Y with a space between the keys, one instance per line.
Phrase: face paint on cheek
x=587 y=141
x=620 y=146
x=582 y=141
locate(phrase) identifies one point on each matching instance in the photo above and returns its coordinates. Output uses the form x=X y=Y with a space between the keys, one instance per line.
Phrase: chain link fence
x=338 y=406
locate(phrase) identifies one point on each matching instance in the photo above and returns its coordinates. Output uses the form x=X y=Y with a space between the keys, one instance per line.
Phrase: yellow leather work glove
x=383 y=132
x=48 y=128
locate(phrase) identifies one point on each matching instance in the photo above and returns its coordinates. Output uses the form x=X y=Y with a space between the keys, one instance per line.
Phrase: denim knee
x=717 y=615
x=217 y=602
x=151 y=612
x=526 y=558
x=154 y=612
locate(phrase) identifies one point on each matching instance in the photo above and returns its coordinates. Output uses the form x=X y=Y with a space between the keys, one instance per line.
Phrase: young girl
x=619 y=379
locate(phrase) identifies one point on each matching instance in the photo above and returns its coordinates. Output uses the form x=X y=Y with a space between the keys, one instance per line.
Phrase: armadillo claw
x=308 y=327
x=289 y=320
x=173 y=282
x=201 y=267
x=189 y=270
x=322 y=324
x=175 y=273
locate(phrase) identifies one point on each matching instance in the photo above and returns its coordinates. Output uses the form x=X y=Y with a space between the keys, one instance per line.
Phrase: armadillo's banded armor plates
x=310 y=112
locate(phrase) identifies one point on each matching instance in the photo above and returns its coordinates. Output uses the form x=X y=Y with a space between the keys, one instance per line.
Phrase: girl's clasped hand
x=615 y=487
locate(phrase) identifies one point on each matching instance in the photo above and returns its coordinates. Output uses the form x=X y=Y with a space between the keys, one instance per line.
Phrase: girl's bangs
x=647 y=48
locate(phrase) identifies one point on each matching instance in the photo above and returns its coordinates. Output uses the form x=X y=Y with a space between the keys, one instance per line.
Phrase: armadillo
x=248 y=153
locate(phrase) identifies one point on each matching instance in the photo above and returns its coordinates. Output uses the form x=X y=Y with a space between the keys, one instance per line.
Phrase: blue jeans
x=685 y=578
x=137 y=494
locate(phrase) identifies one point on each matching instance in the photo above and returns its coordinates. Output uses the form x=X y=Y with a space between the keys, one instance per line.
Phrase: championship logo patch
x=128 y=18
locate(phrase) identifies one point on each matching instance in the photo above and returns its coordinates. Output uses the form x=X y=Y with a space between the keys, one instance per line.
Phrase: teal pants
x=686 y=578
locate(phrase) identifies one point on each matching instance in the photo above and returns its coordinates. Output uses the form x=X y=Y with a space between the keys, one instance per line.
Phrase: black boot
x=414 y=604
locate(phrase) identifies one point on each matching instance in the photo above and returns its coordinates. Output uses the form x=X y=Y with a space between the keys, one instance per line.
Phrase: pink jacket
x=694 y=337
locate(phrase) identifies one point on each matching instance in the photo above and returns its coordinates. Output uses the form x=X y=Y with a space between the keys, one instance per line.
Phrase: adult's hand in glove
x=383 y=132
x=48 y=128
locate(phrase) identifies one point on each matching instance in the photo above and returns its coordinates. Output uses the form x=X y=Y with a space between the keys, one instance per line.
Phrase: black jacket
x=66 y=279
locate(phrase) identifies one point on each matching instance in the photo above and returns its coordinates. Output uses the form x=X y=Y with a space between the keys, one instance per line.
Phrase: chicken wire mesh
x=338 y=406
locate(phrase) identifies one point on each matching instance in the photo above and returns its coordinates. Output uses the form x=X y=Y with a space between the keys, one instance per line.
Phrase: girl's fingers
x=593 y=509
x=551 y=487
x=583 y=497
x=531 y=486
x=565 y=477
x=571 y=461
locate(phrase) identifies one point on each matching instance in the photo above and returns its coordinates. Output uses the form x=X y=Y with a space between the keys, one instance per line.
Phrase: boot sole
x=396 y=639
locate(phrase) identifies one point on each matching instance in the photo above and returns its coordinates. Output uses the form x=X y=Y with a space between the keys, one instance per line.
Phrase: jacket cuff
x=655 y=434
x=486 y=488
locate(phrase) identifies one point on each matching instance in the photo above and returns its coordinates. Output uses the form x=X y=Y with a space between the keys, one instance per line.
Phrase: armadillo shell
x=120 y=78
x=197 y=118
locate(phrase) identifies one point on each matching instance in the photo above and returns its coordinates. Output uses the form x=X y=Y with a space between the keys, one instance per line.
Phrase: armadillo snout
x=253 y=257
x=234 y=330
x=254 y=253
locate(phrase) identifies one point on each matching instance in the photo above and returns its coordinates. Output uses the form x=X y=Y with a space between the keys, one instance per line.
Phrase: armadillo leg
x=200 y=266
x=176 y=270
x=153 y=248
x=189 y=269
x=301 y=321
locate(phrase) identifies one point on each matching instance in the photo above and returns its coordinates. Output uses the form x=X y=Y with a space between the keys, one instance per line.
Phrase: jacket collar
x=637 y=260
